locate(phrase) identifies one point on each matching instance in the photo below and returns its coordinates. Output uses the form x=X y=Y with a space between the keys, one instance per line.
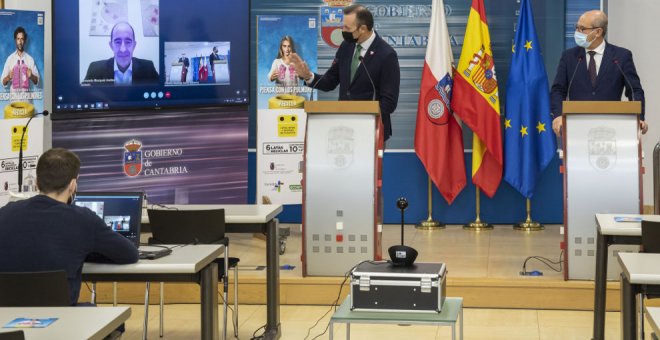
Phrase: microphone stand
x=20 y=153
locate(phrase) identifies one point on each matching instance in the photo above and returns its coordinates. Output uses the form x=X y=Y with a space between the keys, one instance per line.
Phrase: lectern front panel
x=339 y=192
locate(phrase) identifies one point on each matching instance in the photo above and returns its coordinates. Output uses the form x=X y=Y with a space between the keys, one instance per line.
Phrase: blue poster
x=22 y=57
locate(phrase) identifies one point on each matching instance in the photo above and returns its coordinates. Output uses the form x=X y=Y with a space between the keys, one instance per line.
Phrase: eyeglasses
x=582 y=28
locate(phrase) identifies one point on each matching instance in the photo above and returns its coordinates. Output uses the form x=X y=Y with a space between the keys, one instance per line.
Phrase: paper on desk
x=30 y=323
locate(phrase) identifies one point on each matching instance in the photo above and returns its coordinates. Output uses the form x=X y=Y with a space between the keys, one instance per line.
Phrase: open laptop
x=121 y=211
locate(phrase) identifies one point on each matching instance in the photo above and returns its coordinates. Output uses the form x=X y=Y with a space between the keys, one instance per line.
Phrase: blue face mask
x=581 y=39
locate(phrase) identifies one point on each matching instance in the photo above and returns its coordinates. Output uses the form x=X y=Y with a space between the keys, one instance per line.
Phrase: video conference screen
x=114 y=55
x=120 y=212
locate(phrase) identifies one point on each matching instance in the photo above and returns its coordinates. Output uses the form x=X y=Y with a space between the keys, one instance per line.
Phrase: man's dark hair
x=20 y=29
x=55 y=170
x=362 y=15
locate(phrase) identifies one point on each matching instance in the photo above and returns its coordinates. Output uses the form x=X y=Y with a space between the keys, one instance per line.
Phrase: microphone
x=334 y=61
x=373 y=87
x=632 y=93
x=20 y=152
x=570 y=83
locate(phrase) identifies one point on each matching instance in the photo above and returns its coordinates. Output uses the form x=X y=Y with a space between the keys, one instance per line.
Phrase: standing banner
x=21 y=97
x=281 y=96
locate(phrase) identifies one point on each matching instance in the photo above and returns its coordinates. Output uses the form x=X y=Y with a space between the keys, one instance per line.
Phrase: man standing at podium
x=594 y=70
x=365 y=66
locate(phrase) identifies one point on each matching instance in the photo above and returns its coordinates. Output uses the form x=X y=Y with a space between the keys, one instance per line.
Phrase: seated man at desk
x=47 y=232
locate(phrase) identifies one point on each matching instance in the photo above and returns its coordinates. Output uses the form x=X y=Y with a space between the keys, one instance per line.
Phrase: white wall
x=633 y=25
x=41 y=5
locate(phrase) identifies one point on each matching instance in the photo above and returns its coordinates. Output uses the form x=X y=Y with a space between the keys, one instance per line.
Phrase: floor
x=498 y=253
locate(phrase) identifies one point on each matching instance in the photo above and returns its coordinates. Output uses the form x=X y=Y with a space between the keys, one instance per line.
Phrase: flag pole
x=478 y=225
x=529 y=225
x=430 y=224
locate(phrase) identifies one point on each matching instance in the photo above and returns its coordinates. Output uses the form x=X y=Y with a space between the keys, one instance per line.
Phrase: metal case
x=383 y=287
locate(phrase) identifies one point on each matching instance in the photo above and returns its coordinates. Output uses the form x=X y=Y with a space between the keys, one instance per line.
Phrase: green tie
x=356 y=61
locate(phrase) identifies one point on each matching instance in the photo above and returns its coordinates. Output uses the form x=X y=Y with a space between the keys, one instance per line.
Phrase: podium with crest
x=342 y=217
x=602 y=174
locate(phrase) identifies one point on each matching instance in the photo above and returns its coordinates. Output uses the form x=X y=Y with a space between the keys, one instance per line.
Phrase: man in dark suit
x=599 y=69
x=361 y=46
x=123 y=68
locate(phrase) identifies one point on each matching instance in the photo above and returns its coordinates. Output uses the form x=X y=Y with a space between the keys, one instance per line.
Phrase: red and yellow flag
x=476 y=101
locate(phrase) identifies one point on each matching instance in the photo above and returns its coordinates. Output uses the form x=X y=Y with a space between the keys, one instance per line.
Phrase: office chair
x=34 y=289
x=650 y=244
x=194 y=227
x=13 y=335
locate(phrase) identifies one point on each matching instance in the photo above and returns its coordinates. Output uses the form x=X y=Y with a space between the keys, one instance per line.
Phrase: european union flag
x=529 y=143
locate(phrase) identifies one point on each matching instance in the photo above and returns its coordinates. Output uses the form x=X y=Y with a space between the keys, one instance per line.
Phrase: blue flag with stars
x=529 y=143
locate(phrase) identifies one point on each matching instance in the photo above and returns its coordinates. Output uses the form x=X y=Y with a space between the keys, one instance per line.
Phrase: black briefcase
x=383 y=287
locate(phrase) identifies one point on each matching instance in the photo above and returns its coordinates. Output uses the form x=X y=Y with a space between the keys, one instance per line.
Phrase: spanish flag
x=475 y=100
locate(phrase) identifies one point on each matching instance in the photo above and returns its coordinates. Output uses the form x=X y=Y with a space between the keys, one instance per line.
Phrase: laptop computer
x=121 y=211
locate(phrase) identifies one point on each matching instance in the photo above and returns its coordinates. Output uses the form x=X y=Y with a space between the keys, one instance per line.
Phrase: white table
x=73 y=322
x=251 y=218
x=639 y=269
x=611 y=232
x=653 y=315
x=190 y=263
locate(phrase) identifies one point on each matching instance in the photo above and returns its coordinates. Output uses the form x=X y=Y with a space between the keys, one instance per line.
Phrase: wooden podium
x=602 y=174
x=342 y=214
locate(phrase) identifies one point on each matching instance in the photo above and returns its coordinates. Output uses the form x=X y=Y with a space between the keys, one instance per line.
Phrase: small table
x=254 y=218
x=611 y=232
x=639 y=269
x=72 y=322
x=190 y=263
x=653 y=315
x=452 y=310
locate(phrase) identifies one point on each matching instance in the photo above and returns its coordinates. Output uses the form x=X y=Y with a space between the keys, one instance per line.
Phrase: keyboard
x=154 y=254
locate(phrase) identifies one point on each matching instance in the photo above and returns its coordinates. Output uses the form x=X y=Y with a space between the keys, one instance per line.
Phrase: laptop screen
x=121 y=211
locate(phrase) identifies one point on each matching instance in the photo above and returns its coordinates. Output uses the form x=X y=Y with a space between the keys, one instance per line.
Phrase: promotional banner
x=22 y=50
x=281 y=96
x=178 y=158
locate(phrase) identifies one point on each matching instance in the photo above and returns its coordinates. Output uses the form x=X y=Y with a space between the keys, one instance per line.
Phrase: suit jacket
x=144 y=71
x=610 y=82
x=382 y=63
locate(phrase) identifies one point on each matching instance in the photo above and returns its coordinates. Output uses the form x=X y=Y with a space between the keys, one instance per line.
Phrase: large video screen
x=115 y=55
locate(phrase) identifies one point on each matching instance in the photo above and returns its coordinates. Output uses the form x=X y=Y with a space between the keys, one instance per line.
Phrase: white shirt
x=598 y=57
x=123 y=78
x=10 y=63
x=287 y=74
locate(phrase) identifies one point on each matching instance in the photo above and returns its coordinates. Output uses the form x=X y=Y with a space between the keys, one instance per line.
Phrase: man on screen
x=123 y=68
x=20 y=69
x=594 y=70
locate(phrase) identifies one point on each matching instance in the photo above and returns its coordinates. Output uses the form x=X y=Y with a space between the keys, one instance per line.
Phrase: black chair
x=34 y=289
x=13 y=335
x=650 y=244
x=170 y=226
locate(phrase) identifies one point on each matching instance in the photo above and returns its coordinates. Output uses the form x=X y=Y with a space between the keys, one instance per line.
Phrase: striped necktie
x=356 y=61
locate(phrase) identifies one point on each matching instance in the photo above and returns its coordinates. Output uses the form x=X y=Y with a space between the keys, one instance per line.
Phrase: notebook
x=121 y=211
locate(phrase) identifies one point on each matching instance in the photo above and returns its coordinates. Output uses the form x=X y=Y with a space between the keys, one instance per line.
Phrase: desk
x=452 y=311
x=639 y=269
x=611 y=232
x=191 y=263
x=250 y=218
x=653 y=315
x=73 y=322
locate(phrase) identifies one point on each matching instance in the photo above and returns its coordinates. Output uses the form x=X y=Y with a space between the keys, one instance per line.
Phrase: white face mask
x=581 y=39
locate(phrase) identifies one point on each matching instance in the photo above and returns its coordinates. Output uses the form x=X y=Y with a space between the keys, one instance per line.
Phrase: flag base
x=430 y=225
x=478 y=225
x=528 y=226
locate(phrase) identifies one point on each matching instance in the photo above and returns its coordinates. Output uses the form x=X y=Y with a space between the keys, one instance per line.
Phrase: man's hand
x=300 y=66
x=643 y=126
x=556 y=125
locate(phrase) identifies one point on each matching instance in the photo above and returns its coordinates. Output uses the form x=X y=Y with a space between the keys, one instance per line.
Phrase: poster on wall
x=281 y=96
x=175 y=158
x=22 y=57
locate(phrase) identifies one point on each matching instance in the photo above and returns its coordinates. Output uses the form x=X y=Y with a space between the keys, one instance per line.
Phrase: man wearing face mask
x=47 y=232
x=362 y=48
x=599 y=69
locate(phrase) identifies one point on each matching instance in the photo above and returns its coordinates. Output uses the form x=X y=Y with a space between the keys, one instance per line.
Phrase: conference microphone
x=373 y=87
x=20 y=152
x=570 y=83
x=632 y=92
